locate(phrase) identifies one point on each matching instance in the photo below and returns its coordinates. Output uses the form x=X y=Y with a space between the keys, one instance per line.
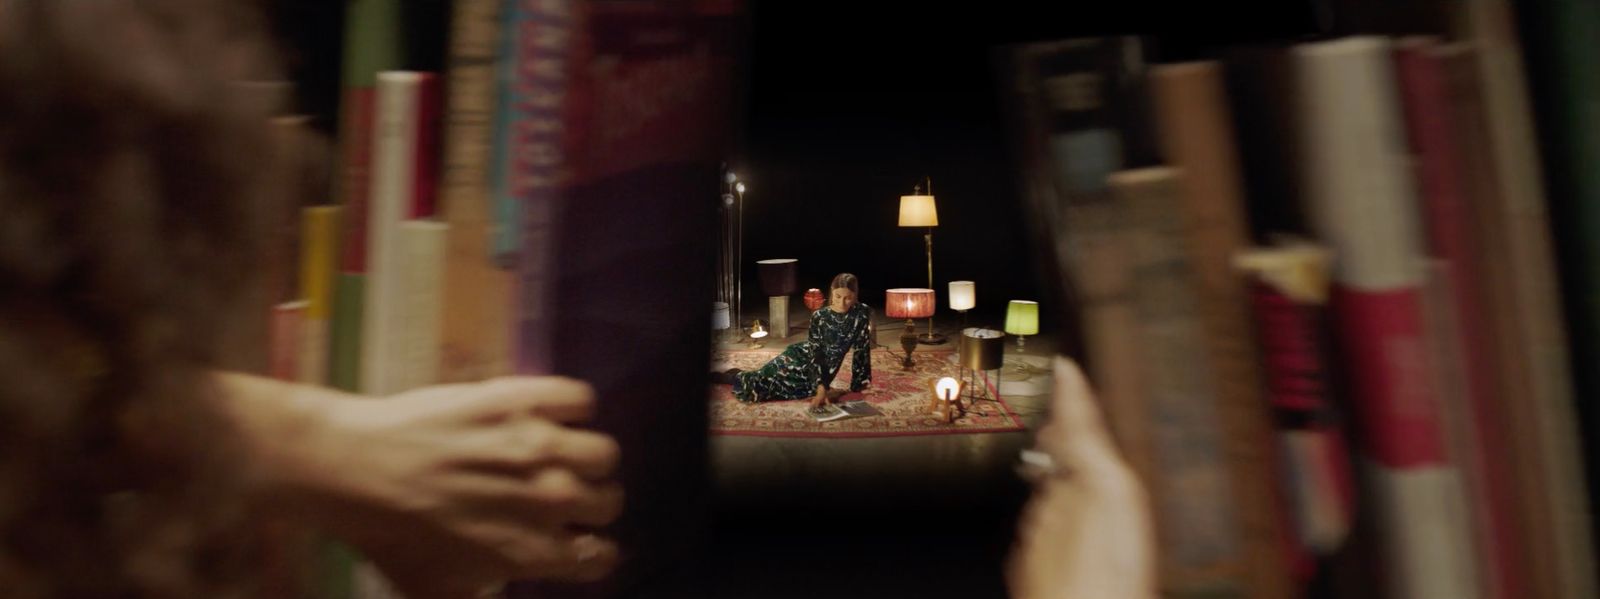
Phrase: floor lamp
x=730 y=284
x=917 y=210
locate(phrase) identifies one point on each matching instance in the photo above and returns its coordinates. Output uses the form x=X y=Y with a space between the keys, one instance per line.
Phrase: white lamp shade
x=963 y=295
x=918 y=211
x=719 y=316
x=947 y=388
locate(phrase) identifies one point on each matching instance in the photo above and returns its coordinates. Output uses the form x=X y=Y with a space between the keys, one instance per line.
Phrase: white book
x=1361 y=201
x=394 y=149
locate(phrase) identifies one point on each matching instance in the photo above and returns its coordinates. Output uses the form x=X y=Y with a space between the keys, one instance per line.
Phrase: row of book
x=504 y=216
x=1314 y=285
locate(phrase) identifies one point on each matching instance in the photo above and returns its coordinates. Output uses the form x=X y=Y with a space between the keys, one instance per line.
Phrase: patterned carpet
x=901 y=396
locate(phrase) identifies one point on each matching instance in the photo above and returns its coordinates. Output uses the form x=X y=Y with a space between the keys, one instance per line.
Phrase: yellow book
x=319 y=243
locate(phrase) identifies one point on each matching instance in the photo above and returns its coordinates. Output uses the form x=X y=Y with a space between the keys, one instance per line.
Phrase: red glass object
x=814 y=299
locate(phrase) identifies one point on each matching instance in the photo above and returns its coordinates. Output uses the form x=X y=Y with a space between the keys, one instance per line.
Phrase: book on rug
x=843 y=410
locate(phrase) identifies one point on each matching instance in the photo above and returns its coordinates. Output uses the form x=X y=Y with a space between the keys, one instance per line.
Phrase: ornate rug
x=901 y=396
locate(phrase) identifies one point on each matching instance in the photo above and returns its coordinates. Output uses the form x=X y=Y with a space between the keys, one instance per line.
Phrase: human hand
x=1087 y=531
x=456 y=488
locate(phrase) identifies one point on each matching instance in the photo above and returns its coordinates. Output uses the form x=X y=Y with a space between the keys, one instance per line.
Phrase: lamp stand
x=930 y=337
x=778 y=313
x=1021 y=369
x=950 y=408
x=908 y=342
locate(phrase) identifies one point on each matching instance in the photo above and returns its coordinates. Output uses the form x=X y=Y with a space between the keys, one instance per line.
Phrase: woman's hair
x=845 y=280
x=131 y=190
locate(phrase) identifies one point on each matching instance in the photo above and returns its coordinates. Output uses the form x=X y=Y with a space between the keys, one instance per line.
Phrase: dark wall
x=849 y=108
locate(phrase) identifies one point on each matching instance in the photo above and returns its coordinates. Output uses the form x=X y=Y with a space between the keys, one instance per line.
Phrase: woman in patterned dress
x=807 y=368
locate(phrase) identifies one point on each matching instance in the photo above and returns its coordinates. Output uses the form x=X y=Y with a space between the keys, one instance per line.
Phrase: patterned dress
x=801 y=368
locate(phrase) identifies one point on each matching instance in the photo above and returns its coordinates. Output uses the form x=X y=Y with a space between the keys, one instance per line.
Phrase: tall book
x=1195 y=129
x=631 y=222
x=1197 y=505
x=1360 y=197
x=1472 y=383
x=1558 y=37
x=371 y=44
x=319 y=242
x=1121 y=255
x=476 y=340
x=547 y=37
x=397 y=156
x=1492 y=114
x=1084 y=270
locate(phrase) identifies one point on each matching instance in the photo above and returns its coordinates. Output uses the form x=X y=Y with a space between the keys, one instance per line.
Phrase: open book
x=843 y=410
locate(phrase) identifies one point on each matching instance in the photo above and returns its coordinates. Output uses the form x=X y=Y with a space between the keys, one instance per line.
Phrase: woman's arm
x=861 y=361
x=449 y=489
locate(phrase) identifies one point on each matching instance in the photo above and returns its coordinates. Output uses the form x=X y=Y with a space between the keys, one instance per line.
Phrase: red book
x=1449 y=234
x=283 y=339
x=357 y=173
x=425 y=186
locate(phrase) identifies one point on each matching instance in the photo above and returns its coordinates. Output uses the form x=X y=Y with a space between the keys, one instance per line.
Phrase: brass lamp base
x=931 y=339
x=908 y=342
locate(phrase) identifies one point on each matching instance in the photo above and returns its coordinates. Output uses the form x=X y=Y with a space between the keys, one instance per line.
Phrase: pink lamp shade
x=779 y=276
x=814 y=299
x=910 y=303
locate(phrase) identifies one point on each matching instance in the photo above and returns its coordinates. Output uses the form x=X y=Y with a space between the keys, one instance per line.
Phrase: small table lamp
x=757 y=333
x=963 y=297
x=917 y=210
x=779 y=280
x=909 y=303
x=946 y=403
x=720 y=320
x=982 y=349
x=1022 y=319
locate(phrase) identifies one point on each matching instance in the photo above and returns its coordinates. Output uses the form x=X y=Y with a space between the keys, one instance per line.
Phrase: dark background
x=847 y=107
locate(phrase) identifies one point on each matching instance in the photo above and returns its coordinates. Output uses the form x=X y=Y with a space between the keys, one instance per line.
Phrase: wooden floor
x=922 y=517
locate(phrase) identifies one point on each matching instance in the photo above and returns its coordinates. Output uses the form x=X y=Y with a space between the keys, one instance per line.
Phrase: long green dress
x=801 y=368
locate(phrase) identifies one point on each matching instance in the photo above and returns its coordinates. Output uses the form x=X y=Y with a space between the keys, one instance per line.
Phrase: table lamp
x=1022 y=319
x=917 y=210
x=910 y=304
x=982 y=349
x=946 y=403
x=963 y=297
x=757 y=333
x=779 y=280
x=720 y=320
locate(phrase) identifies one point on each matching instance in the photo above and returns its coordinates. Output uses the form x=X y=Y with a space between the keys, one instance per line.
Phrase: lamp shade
x=909 y=303
x=1022 y=317
x=719 y=316
x=779 y=276
x=982 y=348
x=963 y=295
x=918 y=211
